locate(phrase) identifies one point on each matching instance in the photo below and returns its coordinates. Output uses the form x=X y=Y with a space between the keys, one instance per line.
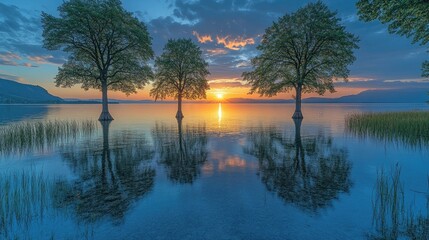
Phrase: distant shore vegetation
x=408 y=127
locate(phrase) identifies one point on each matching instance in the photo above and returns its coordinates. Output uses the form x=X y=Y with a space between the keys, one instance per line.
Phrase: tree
x=304 y=51
x=180 y=72
x=108 y=47
x=407 y=18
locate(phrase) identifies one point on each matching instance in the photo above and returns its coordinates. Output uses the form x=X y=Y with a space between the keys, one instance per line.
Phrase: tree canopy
x=180 y=71
x=305 y=51
x=407 y=18
x=108 y=46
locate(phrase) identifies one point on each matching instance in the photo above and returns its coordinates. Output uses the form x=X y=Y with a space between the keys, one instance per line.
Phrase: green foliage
x=107 y=45
x=180 y=71
x=305 y=50
x=425 y=69
x=407 y=18
x=408 y=127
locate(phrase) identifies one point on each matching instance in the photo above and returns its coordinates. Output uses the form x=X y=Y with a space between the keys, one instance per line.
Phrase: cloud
x=216 y=51
x=242 y=64
x=203 y=38
x=413 y=80
x=47 y=59
x=359 y=79
x=386 y=84
x=228 y=83
x=13 y=59
x=12 y=77
x=234 y=43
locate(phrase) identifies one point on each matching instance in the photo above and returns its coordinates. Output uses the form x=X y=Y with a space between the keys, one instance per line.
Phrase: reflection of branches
x=110 y=178
x=182 y=152
x=308 y=172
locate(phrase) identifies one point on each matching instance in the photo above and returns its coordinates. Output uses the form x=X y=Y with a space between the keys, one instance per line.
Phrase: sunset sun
x=219 y=96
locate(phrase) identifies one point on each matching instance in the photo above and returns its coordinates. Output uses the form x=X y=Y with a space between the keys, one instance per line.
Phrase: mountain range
x=15 y=92
x=12 y=92
x=403 y=95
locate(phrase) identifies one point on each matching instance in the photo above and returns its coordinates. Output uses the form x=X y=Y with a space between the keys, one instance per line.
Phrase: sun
x=219 y=95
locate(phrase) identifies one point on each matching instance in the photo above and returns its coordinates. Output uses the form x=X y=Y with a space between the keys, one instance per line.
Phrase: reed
x=390 y=217
x=40 y=135
x=408 y=127
x=23 y=200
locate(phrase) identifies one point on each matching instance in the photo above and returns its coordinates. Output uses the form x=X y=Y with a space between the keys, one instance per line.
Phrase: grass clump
x=408 y=127
x=24 y=198
x=25 y=136
x=391 y=219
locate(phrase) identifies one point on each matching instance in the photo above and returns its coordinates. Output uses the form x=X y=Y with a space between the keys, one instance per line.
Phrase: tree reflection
x=110 y=179
x=182 y=152
x=307 y=172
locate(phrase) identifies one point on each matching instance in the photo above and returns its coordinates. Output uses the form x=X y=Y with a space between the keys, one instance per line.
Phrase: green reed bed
x=408 y=127
x=24 y=136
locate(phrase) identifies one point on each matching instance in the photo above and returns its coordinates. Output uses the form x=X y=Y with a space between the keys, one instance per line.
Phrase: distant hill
x=405 y=95
x=14 y=92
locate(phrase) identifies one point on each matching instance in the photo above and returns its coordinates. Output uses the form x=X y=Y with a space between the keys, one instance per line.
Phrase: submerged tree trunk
x=105 y=115
x=179 y=114
x=298 y=113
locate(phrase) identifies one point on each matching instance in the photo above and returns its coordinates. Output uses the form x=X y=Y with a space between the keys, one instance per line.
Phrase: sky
x=227 y=31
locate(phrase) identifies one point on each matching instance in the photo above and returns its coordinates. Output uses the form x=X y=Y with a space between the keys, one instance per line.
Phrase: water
x=227 y=171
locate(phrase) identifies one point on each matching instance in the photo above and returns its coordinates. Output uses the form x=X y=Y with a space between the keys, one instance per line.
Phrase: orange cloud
x=202 y=38
x=217 y=51
x=234 y=43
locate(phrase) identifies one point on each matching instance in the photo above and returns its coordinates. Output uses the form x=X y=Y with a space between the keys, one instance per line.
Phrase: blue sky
x=227 y=31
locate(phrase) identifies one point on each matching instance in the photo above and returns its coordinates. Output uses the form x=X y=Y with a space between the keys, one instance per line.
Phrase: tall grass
x=408 y=127
x=25 y=136
x=388 y=205
x=390 y=217
x=24 y=198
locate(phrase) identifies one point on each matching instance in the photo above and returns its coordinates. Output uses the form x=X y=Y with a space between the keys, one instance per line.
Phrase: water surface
x=226 y=171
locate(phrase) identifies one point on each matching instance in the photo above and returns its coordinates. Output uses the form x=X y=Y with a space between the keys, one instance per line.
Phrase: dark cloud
x=22 y=38
x=381 y=55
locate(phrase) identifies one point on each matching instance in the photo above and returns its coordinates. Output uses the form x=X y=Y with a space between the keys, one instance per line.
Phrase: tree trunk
x=298 y=113
x=179 y=114
x=105 y=115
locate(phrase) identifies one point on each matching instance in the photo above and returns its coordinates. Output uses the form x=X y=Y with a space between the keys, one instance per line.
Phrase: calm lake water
x=227 y=171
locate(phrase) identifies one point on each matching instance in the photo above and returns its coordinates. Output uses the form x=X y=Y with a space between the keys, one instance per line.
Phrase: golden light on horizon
x=219 y=95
